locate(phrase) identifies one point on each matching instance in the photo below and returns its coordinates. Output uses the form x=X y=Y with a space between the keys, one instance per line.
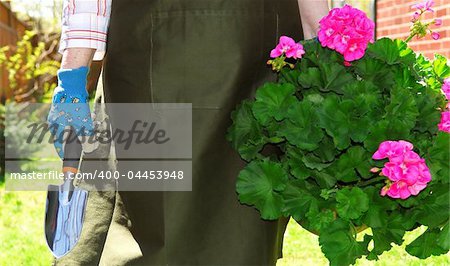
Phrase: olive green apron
x=211 y=53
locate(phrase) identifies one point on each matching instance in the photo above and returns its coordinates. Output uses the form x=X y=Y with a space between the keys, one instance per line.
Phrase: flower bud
x=438 y=22
x=435 y=36
x=375 y=170
x=416 y=16
x=384 y=191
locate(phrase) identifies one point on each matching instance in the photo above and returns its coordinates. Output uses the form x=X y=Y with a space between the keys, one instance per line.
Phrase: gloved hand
x=70 y=107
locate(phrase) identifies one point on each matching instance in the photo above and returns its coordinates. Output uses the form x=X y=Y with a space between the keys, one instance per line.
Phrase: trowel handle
x=72 y=153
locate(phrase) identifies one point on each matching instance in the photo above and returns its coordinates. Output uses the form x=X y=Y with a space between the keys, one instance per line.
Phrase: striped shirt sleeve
x=85 y=25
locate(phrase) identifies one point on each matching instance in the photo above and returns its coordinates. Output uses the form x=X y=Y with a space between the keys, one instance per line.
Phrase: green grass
x=22 y=239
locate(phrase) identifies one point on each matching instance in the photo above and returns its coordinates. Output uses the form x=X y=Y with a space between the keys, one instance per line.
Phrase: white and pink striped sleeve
x=85 y=25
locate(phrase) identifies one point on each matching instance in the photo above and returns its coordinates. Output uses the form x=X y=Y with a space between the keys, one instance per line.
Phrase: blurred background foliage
x=28 y=56
x=31 y=66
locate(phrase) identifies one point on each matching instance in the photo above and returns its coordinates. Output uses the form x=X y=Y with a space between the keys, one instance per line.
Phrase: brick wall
x=394 y=20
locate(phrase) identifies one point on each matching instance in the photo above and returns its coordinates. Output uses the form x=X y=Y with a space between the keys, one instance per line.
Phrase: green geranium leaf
x=334 y=76
x=301 y=129
x=352 y=203
x=312 y=48
x=297 y=168
x=439 y=158
x=313 y=162
x=385 y=50
x=431 y=211
x=377 y=215
x=298 y=199
x=426 y=245
x=392 y=232
x=339 y=245
x=272 y=102
x=407 y=55
x=314 y=97
x=382 y=238
x=250 y=151
x=401 y=114
x=355 y=160
x=334 y=117
x=289 y=76
x=423 y=69
x=402 y=109
x=324 y=178
x=365 y=98
x=429 y=116
x=316 y=54
x=326 y=151
x=304 y=166
x=245 y=134
x=443 y=240
x=383 y=130
x=260 y=184
x=440 y=66
x=375 y=71
x=318 y=220
x=404 y=78
x=311 y=77
x=272 y=128
x=391 y=51
x=366 y=95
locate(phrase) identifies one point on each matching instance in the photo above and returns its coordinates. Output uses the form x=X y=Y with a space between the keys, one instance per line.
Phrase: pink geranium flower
x=296 y=51
x=393 y=171
x=406 y=171
x=392 y=150
x=288 y=47
x=444 y=125
x=424 y=6
x=416 y=16
x=348 y=31
x=399 y=190
x=446 y=88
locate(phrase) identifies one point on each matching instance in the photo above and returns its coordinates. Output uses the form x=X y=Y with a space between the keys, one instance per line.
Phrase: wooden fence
x=11 y=29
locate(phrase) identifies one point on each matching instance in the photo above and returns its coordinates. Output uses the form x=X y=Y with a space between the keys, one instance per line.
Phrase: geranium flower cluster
x=444 y=125
x=423 y=7
x=348 y=31
x=288 y=47
x=420 y=29
x=406 y=171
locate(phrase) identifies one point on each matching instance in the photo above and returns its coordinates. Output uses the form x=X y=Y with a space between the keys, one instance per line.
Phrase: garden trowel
x=66 y=204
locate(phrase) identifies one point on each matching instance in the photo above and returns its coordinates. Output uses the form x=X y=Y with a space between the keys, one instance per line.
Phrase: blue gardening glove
x=70 y=107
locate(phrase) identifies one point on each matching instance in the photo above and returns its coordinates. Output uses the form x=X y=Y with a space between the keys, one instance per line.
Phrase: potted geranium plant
x=361 y=136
